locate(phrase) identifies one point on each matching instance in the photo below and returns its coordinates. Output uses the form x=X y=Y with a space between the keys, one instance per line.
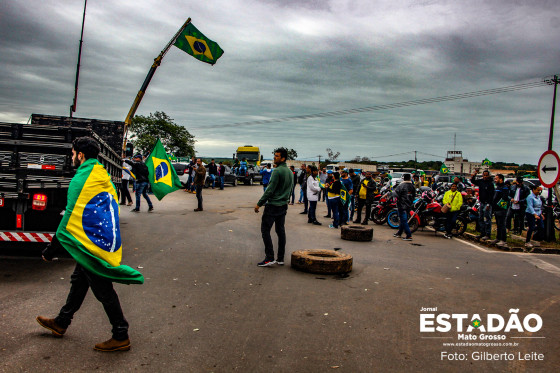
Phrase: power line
x=459 y=96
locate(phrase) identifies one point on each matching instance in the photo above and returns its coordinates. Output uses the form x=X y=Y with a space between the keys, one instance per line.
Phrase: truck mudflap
x=27 y=236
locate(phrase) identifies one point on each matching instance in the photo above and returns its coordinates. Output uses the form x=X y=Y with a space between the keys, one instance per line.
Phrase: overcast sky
x=295 y=57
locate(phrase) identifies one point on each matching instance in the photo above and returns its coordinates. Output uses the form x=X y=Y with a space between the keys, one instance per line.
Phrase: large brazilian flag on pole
x=90 y=229
x=197 y=45
x=162 y=175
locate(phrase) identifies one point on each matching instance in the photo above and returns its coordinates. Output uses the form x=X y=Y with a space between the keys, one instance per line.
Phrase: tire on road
x=328 y=262
x=356 y=233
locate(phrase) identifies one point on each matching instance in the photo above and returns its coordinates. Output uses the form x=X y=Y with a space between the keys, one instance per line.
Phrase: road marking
x=475 y=246
x=541 y=264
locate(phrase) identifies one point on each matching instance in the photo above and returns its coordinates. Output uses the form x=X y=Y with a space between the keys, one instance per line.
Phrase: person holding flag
x=162 y=177
x=90 y=232
x=140 y=170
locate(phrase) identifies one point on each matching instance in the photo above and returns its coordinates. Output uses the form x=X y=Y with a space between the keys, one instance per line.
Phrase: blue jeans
x=328 y=206
x=352 y=206
x=293 y=195
x=450 y=222
x=403 y=222
x=343 y=213
x=300 y=194
x=333 y=203
x=213 y=177
x=311 y=212
x=485 y=219
x=222 y=181
x=142 y=189
x=533 y=223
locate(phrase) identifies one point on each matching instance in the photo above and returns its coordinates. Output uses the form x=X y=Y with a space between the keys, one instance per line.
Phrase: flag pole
x=142 y=91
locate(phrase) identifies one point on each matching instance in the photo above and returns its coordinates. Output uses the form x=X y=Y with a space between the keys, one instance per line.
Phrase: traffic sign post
x=549 y=169
x=550 y=161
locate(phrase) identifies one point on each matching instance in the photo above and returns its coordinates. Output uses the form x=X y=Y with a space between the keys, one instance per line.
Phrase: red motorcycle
x=426 y=212
x=380 y=212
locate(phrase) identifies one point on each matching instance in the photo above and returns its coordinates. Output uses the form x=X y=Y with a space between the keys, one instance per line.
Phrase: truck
x=36 y=169
x=252 y=155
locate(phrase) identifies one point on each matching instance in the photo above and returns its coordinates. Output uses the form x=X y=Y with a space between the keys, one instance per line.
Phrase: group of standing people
x=507 y=203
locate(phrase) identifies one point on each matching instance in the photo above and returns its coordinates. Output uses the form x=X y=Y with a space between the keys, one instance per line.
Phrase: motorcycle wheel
x=413 y=225
x=556 y=220
x=460 y=226
x=393 y=219
x=378 y=217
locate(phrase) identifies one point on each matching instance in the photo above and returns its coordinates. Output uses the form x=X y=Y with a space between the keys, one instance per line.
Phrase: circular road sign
x=549 y=169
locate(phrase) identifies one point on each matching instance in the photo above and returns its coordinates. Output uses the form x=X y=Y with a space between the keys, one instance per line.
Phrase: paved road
x=207 y=307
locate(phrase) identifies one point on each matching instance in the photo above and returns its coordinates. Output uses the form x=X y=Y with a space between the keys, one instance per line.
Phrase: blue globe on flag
x=161 y=170
x=100 y=221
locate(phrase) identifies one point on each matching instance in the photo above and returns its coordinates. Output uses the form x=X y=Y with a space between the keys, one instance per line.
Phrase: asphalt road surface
x=207 y=307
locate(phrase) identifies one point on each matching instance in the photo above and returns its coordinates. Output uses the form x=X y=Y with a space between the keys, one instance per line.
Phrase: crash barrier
x=327 y=262
x=356 y=233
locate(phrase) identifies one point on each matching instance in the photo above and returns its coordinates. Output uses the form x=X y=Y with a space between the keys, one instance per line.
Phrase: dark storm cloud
x=289 y=58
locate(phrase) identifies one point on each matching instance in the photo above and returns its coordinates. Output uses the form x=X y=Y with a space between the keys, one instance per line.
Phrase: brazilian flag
x=344 y=195
x=197 y=45
x=486 y=162
x=444 y=170
x=162 y=175
x=90 y=229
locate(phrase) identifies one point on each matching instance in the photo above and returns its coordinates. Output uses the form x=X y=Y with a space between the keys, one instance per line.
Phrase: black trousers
x=501 y=233
x=361 y=204
x=199 y=196
x=274 y=215
x=102 y=288
x=125 y=193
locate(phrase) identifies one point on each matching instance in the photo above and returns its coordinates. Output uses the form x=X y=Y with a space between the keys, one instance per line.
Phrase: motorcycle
x=379 y=212
x=427 y=213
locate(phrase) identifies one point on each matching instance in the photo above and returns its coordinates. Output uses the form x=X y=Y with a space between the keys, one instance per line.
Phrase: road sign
x=549 y=168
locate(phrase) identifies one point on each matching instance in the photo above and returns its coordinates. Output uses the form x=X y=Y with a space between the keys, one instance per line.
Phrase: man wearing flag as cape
x=90 y=232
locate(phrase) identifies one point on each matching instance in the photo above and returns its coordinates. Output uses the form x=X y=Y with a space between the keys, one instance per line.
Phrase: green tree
x=175 y=138
x=292 y=154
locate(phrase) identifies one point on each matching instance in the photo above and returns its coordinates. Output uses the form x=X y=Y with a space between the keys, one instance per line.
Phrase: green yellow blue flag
x=486 y=162
x=162 y=175
x=444 y=170
x=90 y=229
x=197 y=45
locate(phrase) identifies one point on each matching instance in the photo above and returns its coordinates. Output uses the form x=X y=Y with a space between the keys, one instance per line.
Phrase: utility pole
x=75 y=101
x=415 y=160
x=550 y=236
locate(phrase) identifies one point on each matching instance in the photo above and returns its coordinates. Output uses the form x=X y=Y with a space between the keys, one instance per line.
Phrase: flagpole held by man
x=90 y=232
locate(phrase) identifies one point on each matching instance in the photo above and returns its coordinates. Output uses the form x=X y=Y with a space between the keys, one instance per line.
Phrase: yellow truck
x=252 y=155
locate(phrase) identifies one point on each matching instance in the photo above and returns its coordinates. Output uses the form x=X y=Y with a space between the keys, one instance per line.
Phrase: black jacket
x=485 y=189
x=523 y=194
x=370 y=189
x=356 y=183
x=212 y=169
x=406 y=192
x=140 y=170
x=501 y=192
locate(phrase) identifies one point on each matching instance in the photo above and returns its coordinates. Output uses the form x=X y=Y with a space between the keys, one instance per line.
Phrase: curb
x=516 y=249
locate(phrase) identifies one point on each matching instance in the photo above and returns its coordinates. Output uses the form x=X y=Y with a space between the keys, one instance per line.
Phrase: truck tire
x=234 y=182
x=356 y=233
x=251 y=180
x=328 y=262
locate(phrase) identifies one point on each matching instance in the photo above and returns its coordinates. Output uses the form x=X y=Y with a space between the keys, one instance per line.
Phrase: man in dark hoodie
x=485 y=196
x=500 y=205
x=140 y=170
x=405 y=197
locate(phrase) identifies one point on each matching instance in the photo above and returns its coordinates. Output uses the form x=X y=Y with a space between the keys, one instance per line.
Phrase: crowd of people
x=348 y=194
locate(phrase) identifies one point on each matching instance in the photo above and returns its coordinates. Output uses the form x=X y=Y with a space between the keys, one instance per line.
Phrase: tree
x=292 y=154
x=331 y=155
x=175 y=138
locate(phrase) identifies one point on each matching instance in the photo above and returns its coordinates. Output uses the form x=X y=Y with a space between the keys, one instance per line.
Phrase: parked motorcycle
x=379 y=213
x=426 y=212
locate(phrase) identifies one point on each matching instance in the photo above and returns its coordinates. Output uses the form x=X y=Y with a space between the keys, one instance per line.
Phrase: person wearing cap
x=328 y=180
x=140 y=169
x=366 y=193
